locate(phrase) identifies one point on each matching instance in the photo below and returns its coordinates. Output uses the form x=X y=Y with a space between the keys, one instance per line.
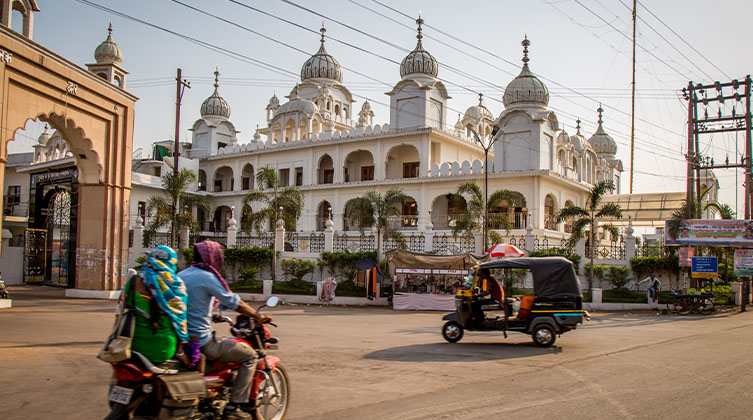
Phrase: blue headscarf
x=167 y=289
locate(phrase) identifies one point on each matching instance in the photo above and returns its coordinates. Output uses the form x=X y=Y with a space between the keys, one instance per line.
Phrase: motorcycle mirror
x=272 y=301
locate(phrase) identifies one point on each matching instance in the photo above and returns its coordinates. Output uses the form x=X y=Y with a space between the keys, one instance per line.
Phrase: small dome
x=419 y=61
x=526 y=88
x=215 y=105
x=296 y=104
x=108 y=51
x=257 y=135
x=459 y=124
x=602 y=142
x=322 y=65
x=478 y=112
x=44 y=137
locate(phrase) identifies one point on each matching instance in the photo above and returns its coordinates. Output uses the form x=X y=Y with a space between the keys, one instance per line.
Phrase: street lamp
x=486 y=144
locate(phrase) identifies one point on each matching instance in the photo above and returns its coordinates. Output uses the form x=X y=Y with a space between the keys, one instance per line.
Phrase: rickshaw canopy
x=552 y=276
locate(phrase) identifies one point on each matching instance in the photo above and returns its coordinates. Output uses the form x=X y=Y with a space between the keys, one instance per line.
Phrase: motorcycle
x=141 y=390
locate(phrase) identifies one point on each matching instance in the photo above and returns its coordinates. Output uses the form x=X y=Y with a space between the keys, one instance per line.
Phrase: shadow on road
x=460 y=352
x=65 y=344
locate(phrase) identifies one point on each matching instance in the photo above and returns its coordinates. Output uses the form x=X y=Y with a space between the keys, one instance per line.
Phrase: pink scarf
x=211 y=260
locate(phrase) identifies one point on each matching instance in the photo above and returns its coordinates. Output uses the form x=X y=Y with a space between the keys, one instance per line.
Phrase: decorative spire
x=577 y=126
x=600 y=110
x=420 y=22
x=525 y=45
x=480 y=99
x=322 y=30
x=109 y=30
x=216 y=77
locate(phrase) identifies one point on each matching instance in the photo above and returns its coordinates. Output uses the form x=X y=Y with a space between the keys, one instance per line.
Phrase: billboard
x=731 y=233
x=744 y=262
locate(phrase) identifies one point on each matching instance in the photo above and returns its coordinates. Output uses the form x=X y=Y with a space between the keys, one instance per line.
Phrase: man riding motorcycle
x=203 y=282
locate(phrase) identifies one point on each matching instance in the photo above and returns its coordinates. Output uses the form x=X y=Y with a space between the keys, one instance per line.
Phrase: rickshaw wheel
x=544 y=336
x=452 y=331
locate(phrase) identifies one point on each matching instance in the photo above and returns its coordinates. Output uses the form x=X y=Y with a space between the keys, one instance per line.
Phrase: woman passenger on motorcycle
x=160 y=301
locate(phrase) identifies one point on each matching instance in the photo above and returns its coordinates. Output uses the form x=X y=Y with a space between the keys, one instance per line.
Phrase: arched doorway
x=95 y=118
x=59 y=238
x=322 y=215
x=550 y=213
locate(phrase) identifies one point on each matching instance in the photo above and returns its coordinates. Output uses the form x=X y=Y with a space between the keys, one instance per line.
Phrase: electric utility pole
x=181 y=87
x=632 y=112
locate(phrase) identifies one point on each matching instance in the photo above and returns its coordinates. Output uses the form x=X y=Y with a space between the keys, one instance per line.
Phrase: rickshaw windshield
x=468 y=282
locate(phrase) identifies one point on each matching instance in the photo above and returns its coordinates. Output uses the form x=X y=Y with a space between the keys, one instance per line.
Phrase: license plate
x=120 y=395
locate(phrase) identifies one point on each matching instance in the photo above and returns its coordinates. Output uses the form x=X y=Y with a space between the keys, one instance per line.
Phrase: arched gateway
x=95 y=118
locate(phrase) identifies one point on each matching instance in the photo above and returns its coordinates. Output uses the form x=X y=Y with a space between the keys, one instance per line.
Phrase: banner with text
x=730 y=233
x=744 y=262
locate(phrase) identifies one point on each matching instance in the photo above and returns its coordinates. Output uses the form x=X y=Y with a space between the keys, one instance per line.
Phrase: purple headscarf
x=211 y=259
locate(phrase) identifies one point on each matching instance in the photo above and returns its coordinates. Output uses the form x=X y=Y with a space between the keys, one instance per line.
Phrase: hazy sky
x=580 y=48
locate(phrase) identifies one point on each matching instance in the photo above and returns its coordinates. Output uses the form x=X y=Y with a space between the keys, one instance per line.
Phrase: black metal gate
x=35 y=255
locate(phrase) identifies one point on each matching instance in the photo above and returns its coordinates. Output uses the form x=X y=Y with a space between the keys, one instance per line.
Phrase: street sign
x=744 y=262
x=704 y=267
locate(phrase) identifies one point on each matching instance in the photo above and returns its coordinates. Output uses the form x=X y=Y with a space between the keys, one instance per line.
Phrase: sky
x=581 y=49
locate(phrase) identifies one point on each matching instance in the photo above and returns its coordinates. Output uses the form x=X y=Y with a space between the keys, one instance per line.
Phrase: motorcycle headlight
x=147 y=388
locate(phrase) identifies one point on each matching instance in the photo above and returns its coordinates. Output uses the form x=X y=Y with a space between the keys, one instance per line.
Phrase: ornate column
x=232 y=228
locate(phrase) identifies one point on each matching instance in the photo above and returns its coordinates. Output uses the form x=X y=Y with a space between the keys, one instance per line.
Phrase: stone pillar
x=596 y=296
x=629 y=244
x=232 y=228
x=318 y=290
x=329 y=235
x=138 y=236
x=266 y=289
x=580 y=249
x=478 y=238
x=529 y=238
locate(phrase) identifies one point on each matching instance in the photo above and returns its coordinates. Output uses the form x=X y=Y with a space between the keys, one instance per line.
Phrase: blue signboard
x=704 y=267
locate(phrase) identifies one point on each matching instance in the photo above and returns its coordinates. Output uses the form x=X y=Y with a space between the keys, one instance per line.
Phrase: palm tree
x=374 y=209
x=590 y=218
x=175 y=196
x=695 y=212
x=284 y=203
x=472 y=219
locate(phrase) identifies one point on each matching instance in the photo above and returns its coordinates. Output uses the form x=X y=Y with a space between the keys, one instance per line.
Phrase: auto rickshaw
x=555 y=307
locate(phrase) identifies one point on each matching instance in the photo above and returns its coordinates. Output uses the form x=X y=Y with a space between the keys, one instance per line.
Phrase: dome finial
x=600 y=110
x=322 y=30
x=216 y=77
x=480 y=99
x=420 y=22
x=525 y=45
x=109 y=29
x=577 y=126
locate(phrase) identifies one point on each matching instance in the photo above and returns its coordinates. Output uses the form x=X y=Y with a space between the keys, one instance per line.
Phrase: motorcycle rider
x=204 y=282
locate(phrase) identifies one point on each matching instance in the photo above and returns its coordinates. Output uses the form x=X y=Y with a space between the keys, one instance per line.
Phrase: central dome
x=108 y=51
x=526 y=88
x=478 y=112
x=215 y=105
x=322 y=65
x=419 y=61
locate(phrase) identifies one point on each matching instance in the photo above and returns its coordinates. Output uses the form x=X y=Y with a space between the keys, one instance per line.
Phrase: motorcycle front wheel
x=274 y=395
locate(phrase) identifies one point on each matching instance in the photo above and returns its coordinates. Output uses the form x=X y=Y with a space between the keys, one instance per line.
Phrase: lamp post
x=486 y=144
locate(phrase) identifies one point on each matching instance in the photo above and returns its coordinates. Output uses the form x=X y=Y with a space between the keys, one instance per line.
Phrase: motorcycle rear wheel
x=272 y=405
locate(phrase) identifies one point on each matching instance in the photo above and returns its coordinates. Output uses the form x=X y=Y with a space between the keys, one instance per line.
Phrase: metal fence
x=245 y=239
x=415 y=242
x=614 y=251
x=448 y=245
x=304 y=242
x=153 y=239
x=362 y=243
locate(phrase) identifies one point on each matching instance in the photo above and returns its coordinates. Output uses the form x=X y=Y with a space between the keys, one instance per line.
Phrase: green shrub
x=297 y=269
x=587 y=297
x=644 y=266
x=188 y=255
x=559 y=252
x=249 y=273
x=349 y=288
x=615 y=275
x=294 y=287
x=140 y=260
x=623 y=296
x=247 y=286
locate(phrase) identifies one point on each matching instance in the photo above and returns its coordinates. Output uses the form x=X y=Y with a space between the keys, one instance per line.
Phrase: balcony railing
x=402 y=222
x=518 y=221
x=550 y=222
x=16 y=209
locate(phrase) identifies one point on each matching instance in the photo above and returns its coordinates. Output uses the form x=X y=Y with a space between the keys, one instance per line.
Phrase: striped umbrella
x=505 y=250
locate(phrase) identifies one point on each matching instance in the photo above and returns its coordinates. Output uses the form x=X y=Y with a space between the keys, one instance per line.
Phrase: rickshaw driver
x=495 y=293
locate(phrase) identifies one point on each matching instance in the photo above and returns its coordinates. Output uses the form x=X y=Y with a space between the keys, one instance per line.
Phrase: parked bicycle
x=681 y=303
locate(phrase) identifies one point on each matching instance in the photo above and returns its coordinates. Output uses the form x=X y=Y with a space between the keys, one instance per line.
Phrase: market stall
x=427 y=282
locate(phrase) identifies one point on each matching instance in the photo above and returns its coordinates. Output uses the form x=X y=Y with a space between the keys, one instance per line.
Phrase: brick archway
x=96 y=120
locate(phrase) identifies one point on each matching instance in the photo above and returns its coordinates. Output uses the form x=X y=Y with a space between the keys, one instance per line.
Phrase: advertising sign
x=686 y=253
x=730 y=233
x=744 y=262
x=704 y=267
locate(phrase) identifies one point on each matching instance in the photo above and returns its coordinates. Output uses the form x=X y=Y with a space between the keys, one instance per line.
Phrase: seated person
x=494 y=295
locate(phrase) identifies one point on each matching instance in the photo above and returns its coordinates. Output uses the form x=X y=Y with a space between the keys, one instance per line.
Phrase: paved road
x=353 y=363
